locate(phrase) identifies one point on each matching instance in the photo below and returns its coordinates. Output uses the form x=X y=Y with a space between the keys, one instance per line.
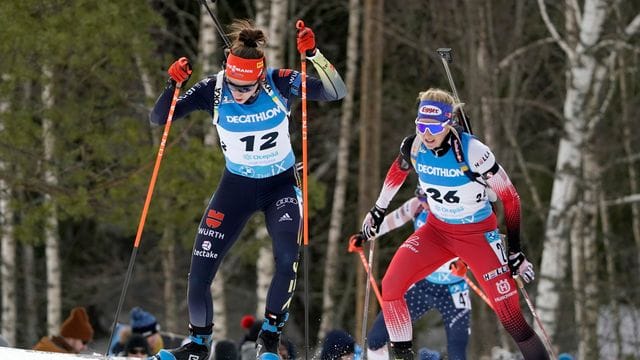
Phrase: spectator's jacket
x=54 y=344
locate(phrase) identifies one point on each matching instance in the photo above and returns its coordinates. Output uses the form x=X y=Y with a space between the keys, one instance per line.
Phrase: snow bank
x=22 y=354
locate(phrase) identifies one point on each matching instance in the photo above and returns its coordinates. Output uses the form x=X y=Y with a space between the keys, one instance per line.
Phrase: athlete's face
x=426 y=129
x=242 y=90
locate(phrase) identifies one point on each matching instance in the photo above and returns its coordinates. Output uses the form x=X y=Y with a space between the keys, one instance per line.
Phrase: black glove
x=372 y=222
x=519 y=265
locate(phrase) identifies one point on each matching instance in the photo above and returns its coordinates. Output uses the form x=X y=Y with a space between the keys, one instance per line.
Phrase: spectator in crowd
x=427 y=354
x=76 y=331
x=136 y=347
x=142 y=323
x=286 y=349
x=339 y=345
x=226 y=350
x=248 y=344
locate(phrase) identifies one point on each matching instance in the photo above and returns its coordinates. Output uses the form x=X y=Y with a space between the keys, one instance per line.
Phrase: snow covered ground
x=22 y=354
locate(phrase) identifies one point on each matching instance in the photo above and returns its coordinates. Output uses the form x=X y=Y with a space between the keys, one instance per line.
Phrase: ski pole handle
x=300 y=26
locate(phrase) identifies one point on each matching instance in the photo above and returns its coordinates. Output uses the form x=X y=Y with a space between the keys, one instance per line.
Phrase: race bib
x=460 y=295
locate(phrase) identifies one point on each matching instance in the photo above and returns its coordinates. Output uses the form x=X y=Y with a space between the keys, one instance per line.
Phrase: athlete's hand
x=519 y=265
x=306 y=41
x=371 y=223
x=355 y=242
x=458 y=268
x=180 y=70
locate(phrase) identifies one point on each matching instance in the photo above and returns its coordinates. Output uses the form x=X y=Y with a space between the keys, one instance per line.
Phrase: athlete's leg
x=419 y=300
x=228 y=211
x=455 y=307
x=486 y=257
x=282 y=216
x=417 y=257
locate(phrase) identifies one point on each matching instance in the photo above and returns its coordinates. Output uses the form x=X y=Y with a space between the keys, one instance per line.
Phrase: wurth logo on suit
x=213 y=220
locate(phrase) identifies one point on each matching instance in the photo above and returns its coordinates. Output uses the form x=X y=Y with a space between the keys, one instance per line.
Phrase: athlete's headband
x=244 y=69
x=434 y=110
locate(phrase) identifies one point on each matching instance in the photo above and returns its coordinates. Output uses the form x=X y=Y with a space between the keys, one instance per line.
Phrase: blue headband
x=435 y=110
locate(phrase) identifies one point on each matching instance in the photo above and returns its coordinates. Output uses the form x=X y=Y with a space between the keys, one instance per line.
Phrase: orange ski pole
x=145 y=209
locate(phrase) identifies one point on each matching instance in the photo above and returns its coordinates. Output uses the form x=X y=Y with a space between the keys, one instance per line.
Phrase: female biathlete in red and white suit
x=461 y=223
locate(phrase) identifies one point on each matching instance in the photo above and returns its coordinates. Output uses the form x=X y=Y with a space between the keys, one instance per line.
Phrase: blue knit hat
x=143 y=322
x=336 y=344
x=427 y=354
x=565 y=356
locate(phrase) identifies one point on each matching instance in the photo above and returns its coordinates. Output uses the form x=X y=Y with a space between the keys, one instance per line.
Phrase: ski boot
x=269 y=337
x=197 y=349
x=401 y=350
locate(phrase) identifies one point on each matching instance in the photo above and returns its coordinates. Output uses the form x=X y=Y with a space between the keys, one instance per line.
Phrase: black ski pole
x=217 y=24
x=446 y=55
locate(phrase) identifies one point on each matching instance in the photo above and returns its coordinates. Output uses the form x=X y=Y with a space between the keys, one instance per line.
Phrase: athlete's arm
x=399 y=216
x=328 y=87
x=396 y=175
x=198 y=97
x=483 y=162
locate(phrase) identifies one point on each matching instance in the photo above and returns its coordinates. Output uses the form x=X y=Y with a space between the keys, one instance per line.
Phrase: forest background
x=551 y=86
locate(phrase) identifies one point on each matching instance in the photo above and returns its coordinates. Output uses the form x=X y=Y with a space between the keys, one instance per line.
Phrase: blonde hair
x=247 y=41
x=443 y=96
x=438 y=95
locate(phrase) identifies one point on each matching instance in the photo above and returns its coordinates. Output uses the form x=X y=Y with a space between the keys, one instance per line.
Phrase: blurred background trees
x=551 y=86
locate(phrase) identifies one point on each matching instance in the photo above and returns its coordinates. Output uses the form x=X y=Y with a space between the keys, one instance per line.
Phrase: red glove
x=306 y=40
x=355 y=242
x=458 y=268
x=180 y=70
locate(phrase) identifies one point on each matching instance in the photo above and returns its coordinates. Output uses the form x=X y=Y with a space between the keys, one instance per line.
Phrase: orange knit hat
x=77 y=325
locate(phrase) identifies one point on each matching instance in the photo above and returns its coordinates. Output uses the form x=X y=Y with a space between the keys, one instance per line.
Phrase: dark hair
x=247 y=41
x=137 y=341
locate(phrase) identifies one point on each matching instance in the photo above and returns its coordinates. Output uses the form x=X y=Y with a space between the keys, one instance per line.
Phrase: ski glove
x=306 y=41
x=458 y=268
x=519 y=265
x=180 y=70
x=371 y=223
x=355 y=242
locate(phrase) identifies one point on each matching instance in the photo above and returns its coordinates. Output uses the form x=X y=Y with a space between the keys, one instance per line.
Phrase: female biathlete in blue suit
x=442 y=290
x=249 y=104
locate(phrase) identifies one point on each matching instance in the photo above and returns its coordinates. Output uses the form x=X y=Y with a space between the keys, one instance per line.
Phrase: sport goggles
x=433 y=128
x=241 y=88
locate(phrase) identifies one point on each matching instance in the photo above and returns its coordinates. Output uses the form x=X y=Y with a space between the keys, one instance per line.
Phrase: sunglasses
x=432 y=128
x=240 y=88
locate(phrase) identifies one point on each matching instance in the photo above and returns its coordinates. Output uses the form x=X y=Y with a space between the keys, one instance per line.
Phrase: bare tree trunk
x=167 y=249
x=51 y=237
x=264 y=269
x=627 y=137
x=369 y=178
x=29 y=303
x=580 y=73
x=218 y=294
x=262 y=14
x=8 y=244
x=584 y=263
x=342 y=174
x=612 y=275
x=277 y=32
